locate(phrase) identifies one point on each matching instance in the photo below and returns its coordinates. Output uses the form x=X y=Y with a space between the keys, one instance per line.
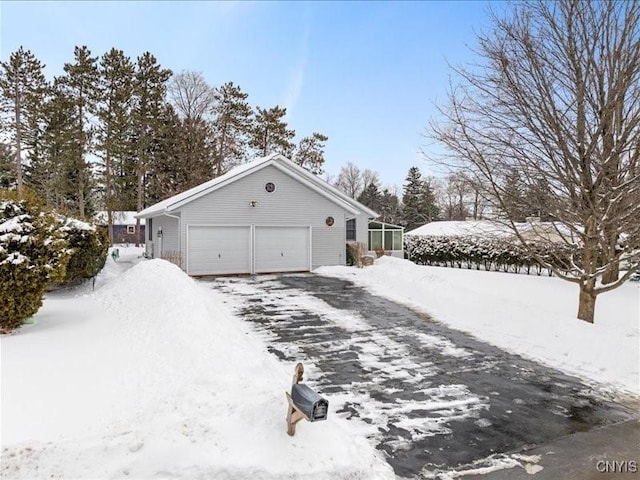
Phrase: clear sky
x=367 y=74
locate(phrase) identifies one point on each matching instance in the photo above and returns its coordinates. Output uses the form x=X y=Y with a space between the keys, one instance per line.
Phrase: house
x=269 y=215
x=124 y=225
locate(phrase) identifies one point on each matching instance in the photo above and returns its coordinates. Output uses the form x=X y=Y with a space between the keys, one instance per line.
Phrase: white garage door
x=219 y=250
x=282 y=249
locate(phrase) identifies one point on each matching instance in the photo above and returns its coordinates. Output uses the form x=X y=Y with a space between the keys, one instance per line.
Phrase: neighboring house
x=532 y=230
x=269 y=215
x=124 y=225
x=385 y=237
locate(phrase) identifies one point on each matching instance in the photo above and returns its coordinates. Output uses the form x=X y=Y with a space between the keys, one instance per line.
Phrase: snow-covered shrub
x=33 y=254
x=88 y=247
x=489 y=253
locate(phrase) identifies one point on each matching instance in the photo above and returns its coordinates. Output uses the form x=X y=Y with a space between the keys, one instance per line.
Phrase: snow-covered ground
x=534 y=316
x=152 y=377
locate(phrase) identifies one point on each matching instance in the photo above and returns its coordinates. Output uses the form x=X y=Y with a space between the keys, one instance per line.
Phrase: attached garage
x=282 y=249
x=266 y=216
x=214 y=250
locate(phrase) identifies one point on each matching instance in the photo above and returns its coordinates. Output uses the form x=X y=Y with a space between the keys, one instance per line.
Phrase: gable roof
x=276 y=160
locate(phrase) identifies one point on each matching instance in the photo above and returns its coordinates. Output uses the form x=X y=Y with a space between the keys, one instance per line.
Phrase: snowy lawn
x=152 y=377
x=534 y=316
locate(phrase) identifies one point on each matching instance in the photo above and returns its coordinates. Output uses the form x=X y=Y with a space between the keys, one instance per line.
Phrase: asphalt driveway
x=434 y=399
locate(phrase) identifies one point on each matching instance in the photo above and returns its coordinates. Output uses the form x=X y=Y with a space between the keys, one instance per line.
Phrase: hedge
x=487 y=253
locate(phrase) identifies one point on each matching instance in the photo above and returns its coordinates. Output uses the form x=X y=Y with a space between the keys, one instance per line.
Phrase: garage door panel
x=219 y=250
x=281 y=249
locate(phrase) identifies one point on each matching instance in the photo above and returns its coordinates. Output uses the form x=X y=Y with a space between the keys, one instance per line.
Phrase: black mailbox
x=307 y=401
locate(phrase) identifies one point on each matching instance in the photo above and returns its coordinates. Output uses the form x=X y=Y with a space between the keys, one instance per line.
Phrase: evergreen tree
x=54 y=173
x=7 y=169
x=514 y=202
x=150 y=84
x=22 y=85
x=371 y=197
x=116 y=88
x=81 y=85
x=193 y=100
x=310 y=153
x=418 y=201
x=389 y=207
x=270 y=133
x=165 y=175
x=232 y=126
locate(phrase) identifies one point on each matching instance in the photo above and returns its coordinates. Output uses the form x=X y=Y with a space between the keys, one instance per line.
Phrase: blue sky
x=367 y=74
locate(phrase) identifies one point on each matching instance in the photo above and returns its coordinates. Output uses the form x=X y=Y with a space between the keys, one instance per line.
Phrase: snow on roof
x=119 y=217
x=462 y=228
x=327 y=190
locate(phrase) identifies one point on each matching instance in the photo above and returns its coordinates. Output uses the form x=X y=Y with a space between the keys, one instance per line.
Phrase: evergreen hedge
x=33 y=254
x=38 y=249
x=487 y=253
x=88 y=246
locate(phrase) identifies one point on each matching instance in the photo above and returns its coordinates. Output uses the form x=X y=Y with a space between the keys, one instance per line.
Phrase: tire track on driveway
x=433 y=398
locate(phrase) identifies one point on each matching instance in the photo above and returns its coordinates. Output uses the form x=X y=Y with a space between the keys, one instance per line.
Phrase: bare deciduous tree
x=556 y=97
x=191 y=95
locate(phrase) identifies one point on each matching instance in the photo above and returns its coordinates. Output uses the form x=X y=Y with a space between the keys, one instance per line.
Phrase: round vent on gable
x=270 y=187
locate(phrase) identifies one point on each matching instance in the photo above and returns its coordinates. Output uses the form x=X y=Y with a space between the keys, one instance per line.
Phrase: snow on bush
x=32 y=254
x=488 y=253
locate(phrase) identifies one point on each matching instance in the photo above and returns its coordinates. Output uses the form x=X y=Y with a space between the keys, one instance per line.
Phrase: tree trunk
x=612 y=273
x=587 y=305
x=140 y=202
x=18 y=144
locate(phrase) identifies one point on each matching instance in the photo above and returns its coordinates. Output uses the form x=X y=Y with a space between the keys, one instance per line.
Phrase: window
x=375 y=239
x=131 y=229
x=351 y=230
x=150 y=225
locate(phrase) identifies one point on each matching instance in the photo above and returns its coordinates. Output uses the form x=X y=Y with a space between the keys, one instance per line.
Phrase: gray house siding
x=170 y=235
x=292 y=203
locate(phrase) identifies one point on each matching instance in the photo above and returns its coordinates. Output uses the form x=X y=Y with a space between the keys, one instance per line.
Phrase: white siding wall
x=292 y=203
x=170 y=234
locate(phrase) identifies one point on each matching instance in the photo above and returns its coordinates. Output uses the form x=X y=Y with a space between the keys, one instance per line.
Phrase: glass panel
x=397 y=240
x=150 y=227
x=375 y=240
x=351 y=229
x=374 y=225
x=388 y=241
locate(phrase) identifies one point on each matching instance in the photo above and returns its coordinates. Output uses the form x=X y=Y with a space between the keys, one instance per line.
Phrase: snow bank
x=164 y=382
x=524 y=314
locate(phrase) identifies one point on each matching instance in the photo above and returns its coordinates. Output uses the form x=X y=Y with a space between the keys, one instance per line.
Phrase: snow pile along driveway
x=165 y=382
x=533 y=316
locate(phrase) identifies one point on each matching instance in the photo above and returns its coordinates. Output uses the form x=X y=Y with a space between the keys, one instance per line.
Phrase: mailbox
x=307 y=401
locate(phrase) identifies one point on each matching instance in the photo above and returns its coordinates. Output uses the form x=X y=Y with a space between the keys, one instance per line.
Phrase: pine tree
x=116 y=88
x=165 y=176
x=418 y=201
x=389 y=207
x=150 y=86
x=232 y=126
x=7 y=169
x=310 y=153
x=53 y=173
x=371 y=197
x=22 y=85
x=270 y=133
x=515 y=205
x=193 y=100
x=81 y=86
